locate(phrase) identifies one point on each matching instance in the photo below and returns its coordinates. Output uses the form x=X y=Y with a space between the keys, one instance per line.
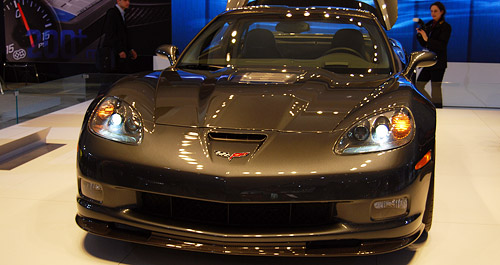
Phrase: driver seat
x=349 y=38
x=260 y=43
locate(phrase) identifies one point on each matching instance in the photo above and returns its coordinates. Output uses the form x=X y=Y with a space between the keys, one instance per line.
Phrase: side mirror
x=169 y=52
x=419 y=59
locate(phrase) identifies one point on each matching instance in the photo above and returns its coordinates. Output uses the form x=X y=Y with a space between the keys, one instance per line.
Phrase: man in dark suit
x=116 y=36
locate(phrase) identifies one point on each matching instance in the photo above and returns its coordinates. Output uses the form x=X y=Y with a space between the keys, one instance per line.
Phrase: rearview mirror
x=293 y=27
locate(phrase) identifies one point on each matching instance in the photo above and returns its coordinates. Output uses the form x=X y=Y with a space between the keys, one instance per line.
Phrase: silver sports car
x=282 y=129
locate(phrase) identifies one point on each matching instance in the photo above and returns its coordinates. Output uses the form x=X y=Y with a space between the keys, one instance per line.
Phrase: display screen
x=52 y=30
x=70 y=30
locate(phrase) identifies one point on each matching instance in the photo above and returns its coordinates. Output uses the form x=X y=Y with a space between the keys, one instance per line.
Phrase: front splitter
x=329 y=248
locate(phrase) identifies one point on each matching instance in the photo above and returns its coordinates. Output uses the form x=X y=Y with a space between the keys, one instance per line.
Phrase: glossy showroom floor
x=38 y=203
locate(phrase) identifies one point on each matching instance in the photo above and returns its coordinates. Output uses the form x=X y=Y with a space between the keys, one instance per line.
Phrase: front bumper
x=347 y=235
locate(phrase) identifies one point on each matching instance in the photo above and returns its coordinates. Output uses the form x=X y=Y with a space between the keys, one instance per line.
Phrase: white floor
x=38 y=204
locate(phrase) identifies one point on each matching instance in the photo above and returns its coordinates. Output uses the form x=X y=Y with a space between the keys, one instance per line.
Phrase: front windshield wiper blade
x=211 y=67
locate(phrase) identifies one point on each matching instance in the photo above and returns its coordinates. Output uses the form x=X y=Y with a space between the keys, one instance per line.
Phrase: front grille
x=237 y=214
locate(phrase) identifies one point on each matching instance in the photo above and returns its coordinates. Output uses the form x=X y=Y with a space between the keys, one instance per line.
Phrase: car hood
x=303 y=100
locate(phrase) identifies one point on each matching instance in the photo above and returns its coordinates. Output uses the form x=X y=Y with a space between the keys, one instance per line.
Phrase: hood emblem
x=231 y=156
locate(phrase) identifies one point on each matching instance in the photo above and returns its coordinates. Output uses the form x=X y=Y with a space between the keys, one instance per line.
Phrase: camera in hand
x=421 y=24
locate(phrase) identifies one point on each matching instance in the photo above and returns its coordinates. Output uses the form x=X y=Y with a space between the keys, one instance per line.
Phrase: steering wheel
x=344 y=50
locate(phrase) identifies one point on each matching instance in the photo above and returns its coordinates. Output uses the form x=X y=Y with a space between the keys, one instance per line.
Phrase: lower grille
x=237 y=214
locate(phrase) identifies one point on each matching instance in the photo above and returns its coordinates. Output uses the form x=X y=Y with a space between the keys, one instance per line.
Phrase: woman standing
x=434 y=37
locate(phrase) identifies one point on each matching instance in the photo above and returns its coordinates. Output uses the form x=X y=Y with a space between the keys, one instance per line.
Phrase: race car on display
x=285 y=128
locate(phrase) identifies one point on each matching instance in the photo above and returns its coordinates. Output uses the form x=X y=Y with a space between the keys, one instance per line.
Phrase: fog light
x=389 y=208
x=91 y=190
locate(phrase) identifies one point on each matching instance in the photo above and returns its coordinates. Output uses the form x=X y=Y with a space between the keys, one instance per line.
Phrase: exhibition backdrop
x=69 y=30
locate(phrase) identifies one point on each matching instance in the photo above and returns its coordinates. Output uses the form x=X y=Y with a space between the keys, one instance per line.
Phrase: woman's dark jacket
x=437 y=42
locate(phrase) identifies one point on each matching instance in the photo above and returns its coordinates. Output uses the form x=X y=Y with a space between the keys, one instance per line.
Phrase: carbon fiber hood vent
x=264 y=78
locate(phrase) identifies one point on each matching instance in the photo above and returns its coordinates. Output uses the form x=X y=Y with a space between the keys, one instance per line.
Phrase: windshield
x=338 y=43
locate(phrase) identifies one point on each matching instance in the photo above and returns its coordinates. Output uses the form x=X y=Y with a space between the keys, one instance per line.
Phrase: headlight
x=384 y=131
x=116 y=120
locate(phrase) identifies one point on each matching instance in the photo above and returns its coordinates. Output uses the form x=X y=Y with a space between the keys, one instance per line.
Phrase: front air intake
x=237 y=137
x=237 y=214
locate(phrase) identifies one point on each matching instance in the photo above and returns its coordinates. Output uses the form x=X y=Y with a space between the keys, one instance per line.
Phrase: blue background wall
x=475 y=25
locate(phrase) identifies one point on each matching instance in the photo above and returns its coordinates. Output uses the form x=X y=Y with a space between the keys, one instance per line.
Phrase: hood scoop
x=263 y=78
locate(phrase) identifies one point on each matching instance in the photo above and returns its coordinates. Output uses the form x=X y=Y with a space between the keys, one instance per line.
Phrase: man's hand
x=133 y=54
x=122 y=55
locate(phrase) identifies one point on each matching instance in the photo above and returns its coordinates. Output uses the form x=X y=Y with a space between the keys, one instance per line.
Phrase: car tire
x=429 y=206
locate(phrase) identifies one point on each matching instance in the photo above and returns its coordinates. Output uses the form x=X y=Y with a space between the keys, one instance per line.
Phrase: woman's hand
x=422 y=32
